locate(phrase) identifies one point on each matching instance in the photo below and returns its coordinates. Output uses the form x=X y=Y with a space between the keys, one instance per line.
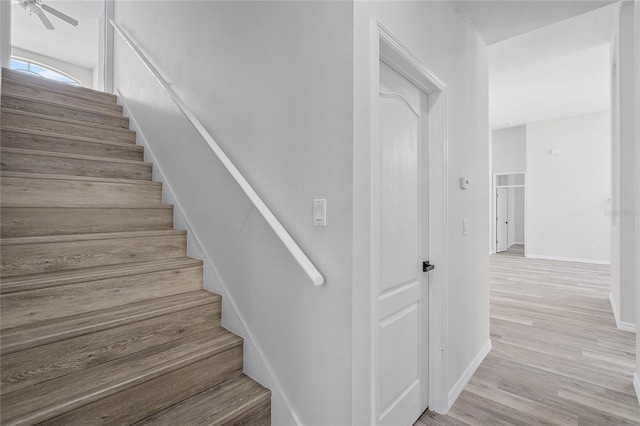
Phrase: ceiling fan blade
x=59 y=14
x=47 y=23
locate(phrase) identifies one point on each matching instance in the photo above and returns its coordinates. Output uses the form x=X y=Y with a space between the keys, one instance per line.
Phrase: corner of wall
x=464 y=379
x=254 y=362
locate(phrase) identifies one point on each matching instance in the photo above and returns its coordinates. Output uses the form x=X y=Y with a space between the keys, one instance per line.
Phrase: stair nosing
x=63 y=105
x=20 y=283
x=84 y=206
x=61 y=330
x=227 y=413
x=61 y=92
x=47 y=176
x=71 y=137
x=66 y=121
x=89 y=237
x=40 y=153
x=105 y=390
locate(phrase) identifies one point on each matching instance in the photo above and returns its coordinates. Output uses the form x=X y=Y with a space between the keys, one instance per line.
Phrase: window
x=42 y=71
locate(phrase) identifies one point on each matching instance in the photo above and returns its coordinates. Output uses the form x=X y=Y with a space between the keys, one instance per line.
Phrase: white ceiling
x=500 y=20
x=558 y=70
x=76 y=45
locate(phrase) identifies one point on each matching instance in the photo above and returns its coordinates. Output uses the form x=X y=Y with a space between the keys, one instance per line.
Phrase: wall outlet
x=593 y=247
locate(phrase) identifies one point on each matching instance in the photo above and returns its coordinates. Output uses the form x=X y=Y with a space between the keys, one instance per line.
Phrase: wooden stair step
x=45 y=362
x=24 y=220
x=20 y=88
x=55 y=142
x=235 y=402
x=17 y=76
x=30 y=161
x=35 y=105
x=33 y=335
x=52 y=302
x=131 y=388
x=45 y=123
x=33 y=255
x=19 y=188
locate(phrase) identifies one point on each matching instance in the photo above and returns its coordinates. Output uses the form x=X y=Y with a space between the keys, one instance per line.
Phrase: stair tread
x=49 y=399
x=10 y=76
x=41 y=333
x=45 y=176
x=70 y=137
x=215 y=406
x=84 y=206
x=59 y=278
x=65 y=120
x=89 y=237
x=72 y=156
x=61 y=104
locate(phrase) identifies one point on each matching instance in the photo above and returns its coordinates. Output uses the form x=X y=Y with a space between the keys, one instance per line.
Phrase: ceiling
x=76 y=45
x=557 y=70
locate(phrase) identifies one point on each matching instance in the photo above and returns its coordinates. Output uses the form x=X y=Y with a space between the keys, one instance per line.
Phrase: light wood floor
x=557 y=356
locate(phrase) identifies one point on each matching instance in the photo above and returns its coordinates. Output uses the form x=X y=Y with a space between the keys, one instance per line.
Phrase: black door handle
x=426 y=266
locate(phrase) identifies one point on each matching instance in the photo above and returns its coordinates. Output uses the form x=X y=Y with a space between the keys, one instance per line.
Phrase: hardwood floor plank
x=557 y=357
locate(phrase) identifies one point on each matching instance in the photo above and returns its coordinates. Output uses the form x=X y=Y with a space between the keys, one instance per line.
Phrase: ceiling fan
x=37 y=7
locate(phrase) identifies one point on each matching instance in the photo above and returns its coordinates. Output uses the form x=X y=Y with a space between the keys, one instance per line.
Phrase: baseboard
x=516 y=243
x=568 y=259
x=458 y=387
x=636 y=385
x=255 y=364
x=624 y=326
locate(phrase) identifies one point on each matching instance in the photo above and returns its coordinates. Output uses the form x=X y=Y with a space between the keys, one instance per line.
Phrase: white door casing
x=502 y=219
x=403 y=230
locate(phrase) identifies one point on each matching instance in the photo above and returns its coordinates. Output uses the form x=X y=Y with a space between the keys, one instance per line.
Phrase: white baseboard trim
x=568 y=259
x=516 y=243
x=458 y=387
x=624 y=326
x=636 y=385
x=255 y=363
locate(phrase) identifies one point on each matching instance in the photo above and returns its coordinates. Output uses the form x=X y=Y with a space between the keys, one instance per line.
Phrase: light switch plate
x=320 y=212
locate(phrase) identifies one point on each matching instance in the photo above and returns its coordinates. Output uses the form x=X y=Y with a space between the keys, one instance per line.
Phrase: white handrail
x=277 y=227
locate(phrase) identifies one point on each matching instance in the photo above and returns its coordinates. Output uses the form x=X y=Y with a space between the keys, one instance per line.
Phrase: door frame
x=494 y=230
x=388 y=48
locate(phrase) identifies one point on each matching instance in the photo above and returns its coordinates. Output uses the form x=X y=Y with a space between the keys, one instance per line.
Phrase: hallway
x=557 y=356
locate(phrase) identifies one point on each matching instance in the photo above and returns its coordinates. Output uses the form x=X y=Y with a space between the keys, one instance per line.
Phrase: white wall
x=568 y=194
x=83 y=75
x=444 y=38
x=637 y=108
x=625 y=213
x=273 y=83
x=509 y=150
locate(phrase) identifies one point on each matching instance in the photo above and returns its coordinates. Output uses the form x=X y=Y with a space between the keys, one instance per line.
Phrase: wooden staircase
x=103 y=317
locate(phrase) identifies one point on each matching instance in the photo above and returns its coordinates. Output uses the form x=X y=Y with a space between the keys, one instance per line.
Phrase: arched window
x=42 y=70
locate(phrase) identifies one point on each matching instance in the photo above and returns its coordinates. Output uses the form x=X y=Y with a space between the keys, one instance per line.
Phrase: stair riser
x=28 y=307
x=23 y=259
x=26 y=368
x=12 y=88
x=64 y=112
x=29 y=222
x=25 y=190
x=19 y=121
x=143 y=400
x=28 y=163
x=11 y=139
x=8 y=76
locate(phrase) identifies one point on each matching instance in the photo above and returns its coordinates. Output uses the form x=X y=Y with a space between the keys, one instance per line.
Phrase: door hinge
x=426 y=266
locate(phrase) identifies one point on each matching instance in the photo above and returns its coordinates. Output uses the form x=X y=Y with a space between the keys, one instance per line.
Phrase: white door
x=401 y=286
x=502 y=219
